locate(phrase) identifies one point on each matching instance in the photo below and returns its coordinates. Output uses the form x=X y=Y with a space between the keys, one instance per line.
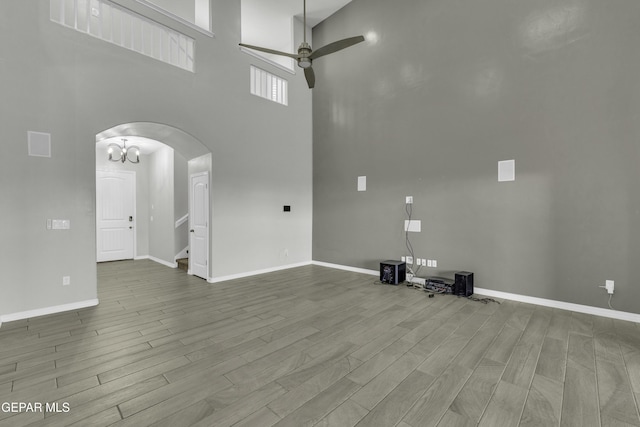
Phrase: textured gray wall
x=180 y=200
x=74 y=86
x=161 y=205
x=444 y=91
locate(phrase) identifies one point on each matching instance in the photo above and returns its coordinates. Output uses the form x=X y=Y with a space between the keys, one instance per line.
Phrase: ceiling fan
x=306 y=55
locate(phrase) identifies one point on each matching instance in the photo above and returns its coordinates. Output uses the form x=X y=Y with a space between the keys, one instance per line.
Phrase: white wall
x=74 y=86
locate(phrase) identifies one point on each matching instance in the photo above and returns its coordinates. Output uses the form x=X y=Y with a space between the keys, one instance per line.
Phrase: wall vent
x=39 y=144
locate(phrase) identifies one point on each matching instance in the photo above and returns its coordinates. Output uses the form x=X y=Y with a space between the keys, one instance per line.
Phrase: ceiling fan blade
x=310 y=76
x=336 y=46
x=274 y=52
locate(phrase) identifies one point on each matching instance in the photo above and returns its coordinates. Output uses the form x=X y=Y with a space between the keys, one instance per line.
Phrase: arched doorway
x=160 y=223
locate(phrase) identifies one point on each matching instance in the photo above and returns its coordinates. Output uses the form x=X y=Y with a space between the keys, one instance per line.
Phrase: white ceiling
x=317 y=10
x=259 y=17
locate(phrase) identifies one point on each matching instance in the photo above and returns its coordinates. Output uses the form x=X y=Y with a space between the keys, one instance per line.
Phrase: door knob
x=192 y=231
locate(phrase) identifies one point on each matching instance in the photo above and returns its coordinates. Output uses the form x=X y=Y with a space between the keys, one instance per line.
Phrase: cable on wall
x=408 y=207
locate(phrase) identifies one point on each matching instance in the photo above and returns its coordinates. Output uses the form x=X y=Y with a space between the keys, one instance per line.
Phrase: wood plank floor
x=313 y=346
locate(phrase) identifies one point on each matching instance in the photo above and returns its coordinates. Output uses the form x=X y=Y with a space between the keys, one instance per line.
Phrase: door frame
x=208 y=226
x=135 y=207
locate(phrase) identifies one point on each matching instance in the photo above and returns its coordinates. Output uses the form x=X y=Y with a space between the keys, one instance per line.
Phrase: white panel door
x=199 y=224
x=115 y=215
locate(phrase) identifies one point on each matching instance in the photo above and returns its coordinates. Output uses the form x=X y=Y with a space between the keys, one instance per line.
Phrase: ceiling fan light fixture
x=306 y=55
x=304 y=62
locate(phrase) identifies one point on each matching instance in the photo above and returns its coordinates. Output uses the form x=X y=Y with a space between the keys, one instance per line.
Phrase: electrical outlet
x=434 y=263
x=609 y=284
x=429 y=263
x=409 y=260
x=403 y=258
x=66 y=280
x=409 y=200
x=424 y=262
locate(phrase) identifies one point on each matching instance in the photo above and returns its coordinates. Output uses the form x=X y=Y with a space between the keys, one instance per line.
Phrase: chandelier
x=120 y=154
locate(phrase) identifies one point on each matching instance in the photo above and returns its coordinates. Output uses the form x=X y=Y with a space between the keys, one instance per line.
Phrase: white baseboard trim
x=158 y=260
x=163 y=262
x=256 y=272
x=587 y=309
x=347 y=268
x=47 y=310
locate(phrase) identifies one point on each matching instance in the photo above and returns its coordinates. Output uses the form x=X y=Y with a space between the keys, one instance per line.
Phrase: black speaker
x=463 y=285
x=393 y=272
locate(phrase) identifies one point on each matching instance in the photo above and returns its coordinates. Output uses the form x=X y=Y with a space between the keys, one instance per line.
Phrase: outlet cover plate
x=415 y=225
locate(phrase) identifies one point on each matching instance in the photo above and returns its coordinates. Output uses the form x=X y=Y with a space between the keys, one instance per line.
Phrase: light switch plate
x=59 y=224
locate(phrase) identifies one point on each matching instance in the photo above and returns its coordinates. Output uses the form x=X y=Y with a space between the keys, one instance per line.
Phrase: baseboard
x=256 y=272
x=586 y=309
x=47 y=310
x=158 y=260
x=163 y=262
x=347 y=268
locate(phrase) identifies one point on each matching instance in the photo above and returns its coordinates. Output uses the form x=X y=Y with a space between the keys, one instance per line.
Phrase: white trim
x=268 y=61
x=182 y=220
x=579 y=308
x=163 y=262
x=158 y=260
x=347 y=268
x=596 y=311
x=179 y=19
x=47 y=310
x=256 y=272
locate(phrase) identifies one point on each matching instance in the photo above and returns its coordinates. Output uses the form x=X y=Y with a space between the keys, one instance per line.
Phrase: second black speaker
x=463 y=285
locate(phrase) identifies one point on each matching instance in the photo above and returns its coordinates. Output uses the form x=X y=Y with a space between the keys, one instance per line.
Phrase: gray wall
x=446 y=91
x=180 y=201
x=161 y=205
x=74 y=86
